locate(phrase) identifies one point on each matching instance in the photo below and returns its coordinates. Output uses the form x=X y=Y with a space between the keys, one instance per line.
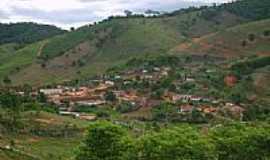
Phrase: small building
x=230 y=80
x=49 y=92
x=87 y=117
x=164 y=73
x=190 y=80
x=111 y=83
x=147 y=77
x=196 y=98
x=207 y=109
x=144 y=71
x=156 y=69
x=235 y=111
x=186 y=108
x=73 y=114
x=91 y=103
x=117 y=77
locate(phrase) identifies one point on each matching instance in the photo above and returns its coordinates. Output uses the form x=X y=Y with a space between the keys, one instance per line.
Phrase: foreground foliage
x=106 y=141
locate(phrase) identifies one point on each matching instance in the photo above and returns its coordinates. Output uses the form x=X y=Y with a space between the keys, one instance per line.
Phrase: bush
x=244 y=43
x=104 y=141
x=235 y=141
x=248 y=66
x=126 y=107
x=110 y=96
x=266 y=33
x=163 y=112
x=238 y=141
x=251 y=37
x=184 y=143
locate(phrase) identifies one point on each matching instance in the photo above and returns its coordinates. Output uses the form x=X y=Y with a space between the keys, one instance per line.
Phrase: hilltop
x=25 y=33
x=94 y=48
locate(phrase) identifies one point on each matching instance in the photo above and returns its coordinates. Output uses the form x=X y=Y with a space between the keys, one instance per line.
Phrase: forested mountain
x=26 y=32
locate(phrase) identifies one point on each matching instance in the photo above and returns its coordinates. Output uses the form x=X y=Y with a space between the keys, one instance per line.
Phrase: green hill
x=94 y=48
x=26 y=32
x=242 y=40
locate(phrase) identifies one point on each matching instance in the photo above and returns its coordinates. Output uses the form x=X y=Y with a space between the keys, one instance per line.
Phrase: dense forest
x=248 y=9
x=26 y=32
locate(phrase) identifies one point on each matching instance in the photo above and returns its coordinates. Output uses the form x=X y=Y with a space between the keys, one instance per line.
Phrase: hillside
x=93 y=49
x=243 y=40
x=22 y=33
x=49 y=136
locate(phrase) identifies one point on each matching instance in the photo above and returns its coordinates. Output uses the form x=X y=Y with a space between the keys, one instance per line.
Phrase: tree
x=126 y=107
x=7 y=80
x=183 y=143
x=244 y=43
x=239 y=141
x=110 y=96
x=10 y=116
x=81 y=63
x=26 y=33
x=72 y=29
x=266 y=33
x=104 y=141
x=152 y=12
x=128 y=13
x=43 y=65
x=251 y=37
x=163 y=112
x=42 y=97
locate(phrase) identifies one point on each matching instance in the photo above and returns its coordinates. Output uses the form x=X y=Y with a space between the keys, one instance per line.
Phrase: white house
x=51 y=91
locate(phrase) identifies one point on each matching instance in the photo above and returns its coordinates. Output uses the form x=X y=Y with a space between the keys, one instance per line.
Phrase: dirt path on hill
x=41 y=48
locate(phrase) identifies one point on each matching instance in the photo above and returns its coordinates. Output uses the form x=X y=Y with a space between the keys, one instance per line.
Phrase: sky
x=75 y=13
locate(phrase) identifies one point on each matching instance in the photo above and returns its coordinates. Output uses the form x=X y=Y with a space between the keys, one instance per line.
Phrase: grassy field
x=19 y=59
x=10 y=155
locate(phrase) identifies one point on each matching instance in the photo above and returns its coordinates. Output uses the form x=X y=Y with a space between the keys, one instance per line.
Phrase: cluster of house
x=235 y=111
x=67 y=98
x=190 y=103
x=70 y=96
x=152 y=74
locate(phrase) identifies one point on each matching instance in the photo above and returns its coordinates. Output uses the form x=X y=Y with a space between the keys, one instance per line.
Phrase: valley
x=190 y=84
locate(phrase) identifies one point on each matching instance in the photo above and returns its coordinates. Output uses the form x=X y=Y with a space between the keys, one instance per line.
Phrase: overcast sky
x=67 y=13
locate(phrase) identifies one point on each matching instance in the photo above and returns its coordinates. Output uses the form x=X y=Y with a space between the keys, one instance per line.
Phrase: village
x=135 y=88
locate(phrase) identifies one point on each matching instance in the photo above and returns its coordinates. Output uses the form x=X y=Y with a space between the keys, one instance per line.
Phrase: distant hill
x=92 y=49
x=26 y=32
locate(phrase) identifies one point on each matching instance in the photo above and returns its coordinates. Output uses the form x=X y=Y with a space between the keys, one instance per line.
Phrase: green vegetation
x=20 y=59
x=104 y=142
x=58 y=45
x=28 y=132
x=188 y=85
x=92 y=49
x=242 y=40
x=225 y=142
x=22 y=33
x=250 y=65
x=250 y=9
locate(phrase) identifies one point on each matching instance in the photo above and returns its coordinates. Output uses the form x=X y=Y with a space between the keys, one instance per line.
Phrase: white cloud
x=66 y=13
